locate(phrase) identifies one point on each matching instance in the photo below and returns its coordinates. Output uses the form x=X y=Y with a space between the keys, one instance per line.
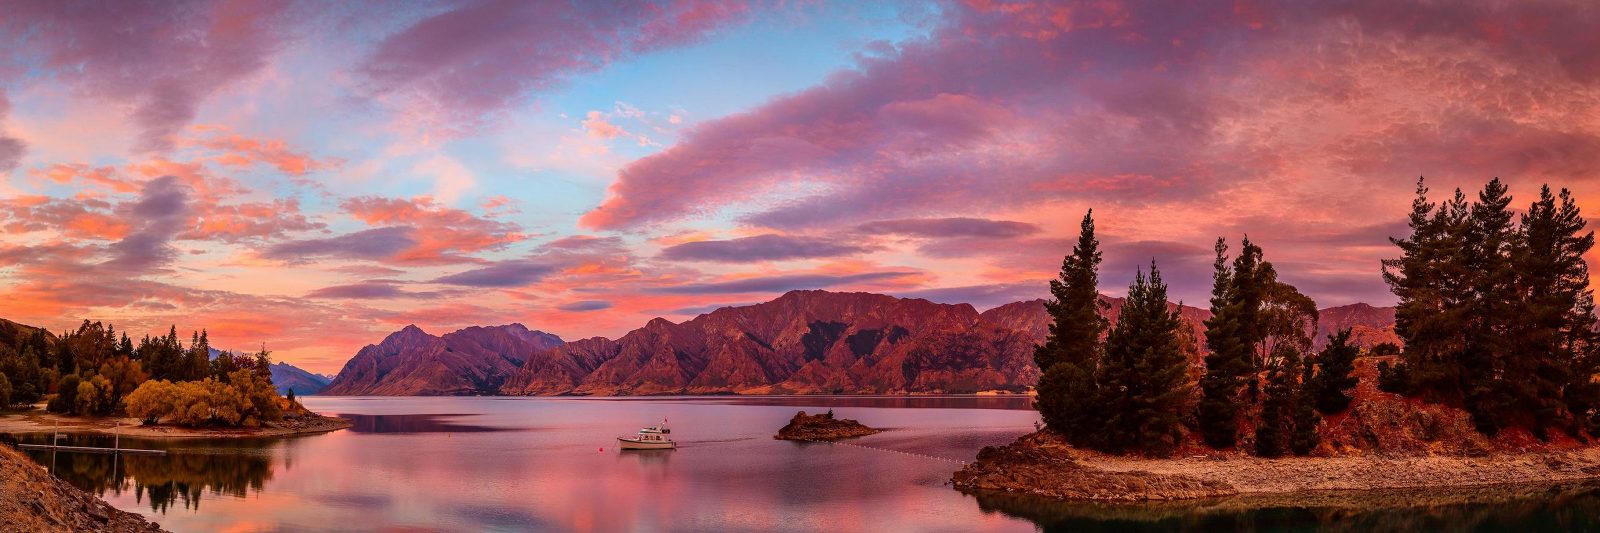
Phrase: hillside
x=12 y=333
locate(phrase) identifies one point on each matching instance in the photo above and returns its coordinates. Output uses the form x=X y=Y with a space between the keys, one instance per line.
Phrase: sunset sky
x=315 y=175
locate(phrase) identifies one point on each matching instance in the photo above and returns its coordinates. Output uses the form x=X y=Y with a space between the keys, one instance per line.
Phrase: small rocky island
x=822 y=427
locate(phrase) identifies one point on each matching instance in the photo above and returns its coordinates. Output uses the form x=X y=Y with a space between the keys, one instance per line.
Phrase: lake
x=534 y=464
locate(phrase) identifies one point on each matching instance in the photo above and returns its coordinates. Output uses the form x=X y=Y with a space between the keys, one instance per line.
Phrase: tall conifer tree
x=1232 y=334
x=1070 y=356
x=1143 y=378
x=1333 y=376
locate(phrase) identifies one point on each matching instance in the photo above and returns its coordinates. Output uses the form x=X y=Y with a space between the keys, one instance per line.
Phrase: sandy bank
x=44 y=422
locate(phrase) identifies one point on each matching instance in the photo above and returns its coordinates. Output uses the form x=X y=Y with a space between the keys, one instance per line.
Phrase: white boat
x=650 y=438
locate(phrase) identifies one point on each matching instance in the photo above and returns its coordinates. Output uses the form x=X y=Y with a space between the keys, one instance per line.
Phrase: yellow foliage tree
x=153 y=400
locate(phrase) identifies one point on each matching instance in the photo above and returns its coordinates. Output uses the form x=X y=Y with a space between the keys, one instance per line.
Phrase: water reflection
x=1536 y=507
x=411 y=424
x=183 y=476
x=1017 y=402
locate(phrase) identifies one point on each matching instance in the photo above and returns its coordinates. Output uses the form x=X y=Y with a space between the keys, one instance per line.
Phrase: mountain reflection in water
x=411 y=424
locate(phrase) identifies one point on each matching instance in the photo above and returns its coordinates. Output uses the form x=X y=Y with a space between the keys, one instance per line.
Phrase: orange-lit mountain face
x=804 y=342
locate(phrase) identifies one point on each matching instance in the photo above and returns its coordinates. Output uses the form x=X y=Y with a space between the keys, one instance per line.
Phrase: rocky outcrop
x=822 y=427
x=33 y=500
x=410 y=362
x=1041 y=464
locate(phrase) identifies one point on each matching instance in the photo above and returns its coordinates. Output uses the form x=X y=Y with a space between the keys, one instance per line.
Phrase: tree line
x=1495 y=315
x=97 y=372
x=1135 y=389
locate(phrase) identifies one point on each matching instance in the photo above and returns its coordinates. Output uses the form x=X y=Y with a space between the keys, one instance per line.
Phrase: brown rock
x=823 y=427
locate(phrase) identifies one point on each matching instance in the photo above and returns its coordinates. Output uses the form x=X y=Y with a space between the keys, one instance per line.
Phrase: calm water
x=520 y=464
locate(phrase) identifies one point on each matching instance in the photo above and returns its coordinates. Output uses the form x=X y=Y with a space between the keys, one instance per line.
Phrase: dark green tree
x=1274 y=424
x=1143 y=379
x=1230 y=339
x=1304 y=439
x=1430 y=281
x=1335 y=367
x=223 y=365
x=1554 y=315
x=1488 y=243
x=66 y=397
x=1070 y=355
x=263 y=363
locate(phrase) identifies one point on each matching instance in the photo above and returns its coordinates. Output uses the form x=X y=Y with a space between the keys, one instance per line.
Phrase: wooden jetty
x=117 y=448
x=91 y=449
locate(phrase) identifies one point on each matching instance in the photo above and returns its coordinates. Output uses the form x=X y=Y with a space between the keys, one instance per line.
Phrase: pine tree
x=1070 y=355
x=1232 y=336
x=1581 y=394
x=1143 y=375
x=1488 y=242
x=1304 y=439
x=1334 y=368
x=1430 y=281
x=263 y=367
x=1276 y=408
x=1553 y=322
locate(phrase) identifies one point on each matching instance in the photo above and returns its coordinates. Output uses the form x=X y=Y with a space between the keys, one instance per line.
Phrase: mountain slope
x=816 y=342
x=475 y=360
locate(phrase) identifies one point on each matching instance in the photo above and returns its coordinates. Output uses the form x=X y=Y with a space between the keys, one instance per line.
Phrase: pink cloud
x=1017 y=103
x=442 y=233
x=160 y=59
x=240 y=151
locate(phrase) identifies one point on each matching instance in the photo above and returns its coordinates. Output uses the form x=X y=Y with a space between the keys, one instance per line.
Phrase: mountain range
x=804 y=342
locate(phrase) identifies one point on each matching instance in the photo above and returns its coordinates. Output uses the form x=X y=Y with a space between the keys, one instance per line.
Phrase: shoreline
x=44 y=422
x=1042 y=465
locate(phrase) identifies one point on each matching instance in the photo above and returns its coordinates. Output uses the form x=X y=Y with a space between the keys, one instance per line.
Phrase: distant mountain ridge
x=474 y=360
x=287 y=377
x=804 y=342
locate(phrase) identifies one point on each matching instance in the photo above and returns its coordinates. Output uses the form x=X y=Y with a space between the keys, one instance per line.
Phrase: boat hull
x=630 y=444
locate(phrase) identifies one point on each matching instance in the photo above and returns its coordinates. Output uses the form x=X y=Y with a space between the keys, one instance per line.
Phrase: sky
x=311 y=176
